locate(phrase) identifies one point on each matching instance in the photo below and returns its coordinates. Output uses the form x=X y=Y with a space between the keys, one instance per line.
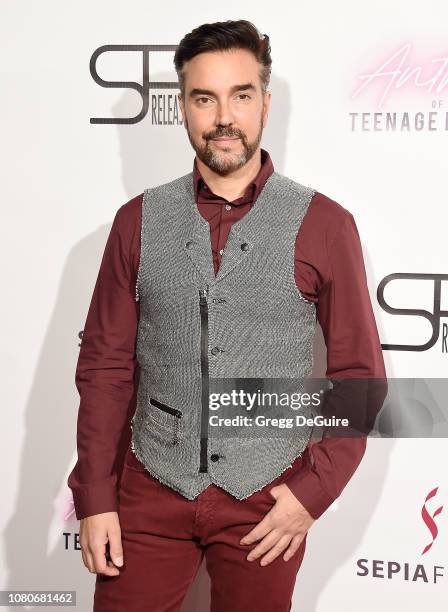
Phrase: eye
x=203 y=98
x=246 y=95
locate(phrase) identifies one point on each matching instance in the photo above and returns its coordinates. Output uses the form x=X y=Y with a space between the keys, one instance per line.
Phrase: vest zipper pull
x=203 y=295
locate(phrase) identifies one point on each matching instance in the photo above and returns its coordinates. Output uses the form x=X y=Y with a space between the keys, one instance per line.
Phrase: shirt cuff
x=306 y=486
x=95 y=497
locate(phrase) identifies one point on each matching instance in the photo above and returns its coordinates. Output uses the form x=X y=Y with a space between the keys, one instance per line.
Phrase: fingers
x=266 y=543
x=99 y=561
x=293 y=546
x=100 y=539
x=88 y=560
x=273 y=544
x=276 y=550
x=90 y=564
x=259 y=531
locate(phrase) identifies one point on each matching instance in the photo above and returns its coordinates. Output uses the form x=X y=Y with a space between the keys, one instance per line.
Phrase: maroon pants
x=165 y=537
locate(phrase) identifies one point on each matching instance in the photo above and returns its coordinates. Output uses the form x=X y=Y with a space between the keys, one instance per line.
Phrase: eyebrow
x=208 y=92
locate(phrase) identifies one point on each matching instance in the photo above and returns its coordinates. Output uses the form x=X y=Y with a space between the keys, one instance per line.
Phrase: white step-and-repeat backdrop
x=360 y=112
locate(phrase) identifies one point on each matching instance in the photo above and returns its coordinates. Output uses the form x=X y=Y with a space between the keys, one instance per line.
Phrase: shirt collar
x=253 y=189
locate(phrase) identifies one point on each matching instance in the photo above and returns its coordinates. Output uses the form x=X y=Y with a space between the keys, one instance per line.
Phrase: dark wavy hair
x=220 y=36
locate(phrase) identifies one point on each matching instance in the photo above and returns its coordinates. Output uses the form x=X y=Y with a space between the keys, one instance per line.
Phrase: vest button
x=189 y=244
x=244 y=246
x=215 y=350
x=214 y=457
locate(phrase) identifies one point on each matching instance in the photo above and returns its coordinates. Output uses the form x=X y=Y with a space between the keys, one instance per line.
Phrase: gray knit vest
x=248 y=321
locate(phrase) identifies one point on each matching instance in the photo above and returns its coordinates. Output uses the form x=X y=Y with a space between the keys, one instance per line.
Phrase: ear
x=266 y=107
x=182 y=108
x=181 y=105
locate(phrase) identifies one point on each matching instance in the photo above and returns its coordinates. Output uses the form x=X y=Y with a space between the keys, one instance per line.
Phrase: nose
x=224 y=116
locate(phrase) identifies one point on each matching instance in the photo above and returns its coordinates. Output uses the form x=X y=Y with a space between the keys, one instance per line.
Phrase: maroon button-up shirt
x=329 y=270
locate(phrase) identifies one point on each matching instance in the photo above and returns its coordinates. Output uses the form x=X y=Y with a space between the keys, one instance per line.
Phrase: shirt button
x=228 y=207
x=189 y=244
x=215 y=350
x=214 y=457
x=244 y=246
x=221 y=251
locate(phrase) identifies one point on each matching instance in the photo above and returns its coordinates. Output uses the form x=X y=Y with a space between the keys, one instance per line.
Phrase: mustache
x=224 y=135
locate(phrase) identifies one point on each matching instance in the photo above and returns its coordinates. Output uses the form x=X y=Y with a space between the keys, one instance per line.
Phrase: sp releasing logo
x=434 y=316
x=429 y=519
x=164 y=108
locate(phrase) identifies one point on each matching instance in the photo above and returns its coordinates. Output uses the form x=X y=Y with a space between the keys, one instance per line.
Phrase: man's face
x=223 y=98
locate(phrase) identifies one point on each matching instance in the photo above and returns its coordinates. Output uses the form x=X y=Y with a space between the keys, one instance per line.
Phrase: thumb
x=115 y=549
x=273 y=492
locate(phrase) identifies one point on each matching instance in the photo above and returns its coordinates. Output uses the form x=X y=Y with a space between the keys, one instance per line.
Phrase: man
x=219 y=274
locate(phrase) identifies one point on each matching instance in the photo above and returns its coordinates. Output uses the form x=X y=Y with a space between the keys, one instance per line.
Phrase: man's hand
x=95 y=532
x=284 y=526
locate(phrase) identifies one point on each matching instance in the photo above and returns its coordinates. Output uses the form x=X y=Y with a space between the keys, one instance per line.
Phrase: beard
x=224 y=161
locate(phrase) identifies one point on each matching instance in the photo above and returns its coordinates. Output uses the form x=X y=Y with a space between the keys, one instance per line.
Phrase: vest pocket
x=166 y=421
x=174 y=411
